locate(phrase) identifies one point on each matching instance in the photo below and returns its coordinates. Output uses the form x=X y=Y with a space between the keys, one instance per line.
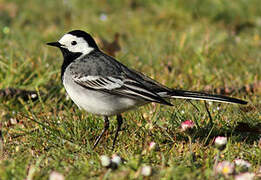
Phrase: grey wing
x=119 y=86
x=147 y=81
x=108 y=75
x=95 y=64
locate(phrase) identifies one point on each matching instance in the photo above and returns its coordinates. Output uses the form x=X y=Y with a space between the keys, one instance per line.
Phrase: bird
x=111 y=48
x=101 y=85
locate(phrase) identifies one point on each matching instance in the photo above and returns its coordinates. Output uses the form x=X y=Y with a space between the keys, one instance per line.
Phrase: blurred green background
x=189 y=44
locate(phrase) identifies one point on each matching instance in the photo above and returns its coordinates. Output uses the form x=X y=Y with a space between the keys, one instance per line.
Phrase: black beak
x=56 y=44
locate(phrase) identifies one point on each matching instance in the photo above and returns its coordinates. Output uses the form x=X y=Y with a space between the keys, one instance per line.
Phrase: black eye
x=73 y=43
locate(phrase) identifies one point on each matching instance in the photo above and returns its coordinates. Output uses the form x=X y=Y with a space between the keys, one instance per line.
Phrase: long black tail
x=203 y=96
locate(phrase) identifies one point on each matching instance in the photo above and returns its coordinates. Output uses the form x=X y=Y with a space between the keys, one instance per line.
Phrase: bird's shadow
x=243 y=132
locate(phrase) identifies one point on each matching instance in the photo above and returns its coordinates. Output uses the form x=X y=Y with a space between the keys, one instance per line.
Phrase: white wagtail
x=99 y=84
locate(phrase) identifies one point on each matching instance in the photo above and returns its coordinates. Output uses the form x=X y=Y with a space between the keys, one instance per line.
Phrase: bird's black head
x=73 y=45
x=87 y=37
x=76 y=41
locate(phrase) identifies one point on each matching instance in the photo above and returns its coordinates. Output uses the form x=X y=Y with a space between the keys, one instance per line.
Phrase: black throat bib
x=68 y=57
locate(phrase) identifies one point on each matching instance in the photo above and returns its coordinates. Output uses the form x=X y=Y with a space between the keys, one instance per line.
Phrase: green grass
x=203 y=42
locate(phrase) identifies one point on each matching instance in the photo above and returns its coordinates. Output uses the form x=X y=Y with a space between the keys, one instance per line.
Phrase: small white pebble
x=152 y=145
x=245 y=176
x=56 y=176
x=105 y=160
x=13 y=121
x=116 y=159
x=146 y=170
x=67 y=97
x=220 y=141
x=33 y=95
x=242 y=163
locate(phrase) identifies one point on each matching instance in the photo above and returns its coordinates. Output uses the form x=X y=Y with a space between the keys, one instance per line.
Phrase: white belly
x=98 y=102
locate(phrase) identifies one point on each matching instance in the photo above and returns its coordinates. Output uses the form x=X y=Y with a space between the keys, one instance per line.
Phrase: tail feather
x=203 y=96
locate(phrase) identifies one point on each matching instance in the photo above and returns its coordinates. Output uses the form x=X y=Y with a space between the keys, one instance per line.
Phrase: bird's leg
x=211 y=120
x=119 y=122
x=106 y=127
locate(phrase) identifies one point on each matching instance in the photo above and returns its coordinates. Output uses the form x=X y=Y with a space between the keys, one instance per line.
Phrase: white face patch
x=75 y=44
